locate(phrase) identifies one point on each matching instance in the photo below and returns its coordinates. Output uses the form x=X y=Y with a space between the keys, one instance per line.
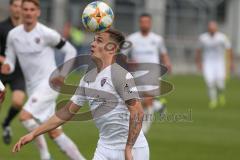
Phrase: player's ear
x=39 y=12
x=111 y=47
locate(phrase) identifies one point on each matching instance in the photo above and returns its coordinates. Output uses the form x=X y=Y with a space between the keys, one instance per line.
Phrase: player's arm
x=55 y=40
x=229 y=51
x=166 y=61
x=231 y=57
x=135 y=125
x=199 y=50
x=164 y=55
x=10 y=59
x=198 y=58
x=69 y=51
x=125 y=86
x=62 y=116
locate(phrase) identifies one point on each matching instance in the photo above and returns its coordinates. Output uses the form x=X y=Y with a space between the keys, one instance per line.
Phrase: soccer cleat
x=222 y=100
x=213 y=104
x=7 y=135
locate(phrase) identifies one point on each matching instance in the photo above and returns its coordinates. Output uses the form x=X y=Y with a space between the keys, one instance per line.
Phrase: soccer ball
x=97 y=17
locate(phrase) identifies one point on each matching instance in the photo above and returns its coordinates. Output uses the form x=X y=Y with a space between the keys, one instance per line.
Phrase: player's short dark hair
x=35 y=2
x=11 y=1
x=145 y=15
x=116 y=36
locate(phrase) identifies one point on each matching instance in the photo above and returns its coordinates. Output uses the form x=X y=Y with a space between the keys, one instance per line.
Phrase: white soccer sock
x=212 y=93
x=30 y=125
x=68 y=147
x=157 y=105
x=220 y=86
x=148 y=118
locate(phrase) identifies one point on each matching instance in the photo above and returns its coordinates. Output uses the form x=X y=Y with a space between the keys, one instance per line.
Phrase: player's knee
x=18 y=99
x=54 y=133
x=17 y=103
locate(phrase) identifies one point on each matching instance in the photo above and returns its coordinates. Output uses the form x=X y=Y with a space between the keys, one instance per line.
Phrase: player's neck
x=212 y=33
x=16 y=21
x=29 y=27
x=145 y=34
x=104 y=64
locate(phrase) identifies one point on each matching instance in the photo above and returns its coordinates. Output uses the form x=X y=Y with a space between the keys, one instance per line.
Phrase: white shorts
x=42 y=102
x=214 y=74
x=146 y=81
x=102 y=153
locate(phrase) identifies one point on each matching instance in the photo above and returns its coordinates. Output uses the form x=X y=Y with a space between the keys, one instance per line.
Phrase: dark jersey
x=5 y=27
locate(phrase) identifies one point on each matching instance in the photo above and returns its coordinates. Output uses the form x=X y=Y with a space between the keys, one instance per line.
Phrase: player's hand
x=5 y=69
x=57 y=82
x=22 y=141
x=128 y=153
x=169 y=67
x=2 y=59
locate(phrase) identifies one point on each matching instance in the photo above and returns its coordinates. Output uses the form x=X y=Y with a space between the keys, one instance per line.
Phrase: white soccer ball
x=97 y=17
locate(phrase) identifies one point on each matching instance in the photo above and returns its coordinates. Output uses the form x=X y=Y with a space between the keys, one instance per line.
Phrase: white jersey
x=34 y=51
x=109 y=94
x=146 y=49
x=214 y=48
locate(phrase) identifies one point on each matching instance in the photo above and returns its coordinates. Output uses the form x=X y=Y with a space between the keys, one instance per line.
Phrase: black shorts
x=14 y=80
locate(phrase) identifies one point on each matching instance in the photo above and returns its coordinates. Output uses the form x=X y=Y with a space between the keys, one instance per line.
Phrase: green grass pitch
x=206 y=135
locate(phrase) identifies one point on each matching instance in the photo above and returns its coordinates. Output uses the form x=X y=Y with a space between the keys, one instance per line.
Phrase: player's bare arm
x=63 y=115
x=199 y=59
x=230 y=57
x=166 y=61
x=2 y=59
x=70 y=52
x=135 y=125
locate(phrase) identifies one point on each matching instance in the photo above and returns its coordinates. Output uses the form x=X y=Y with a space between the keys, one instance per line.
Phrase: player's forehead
x=212 y=24
x=145 y=18
x=103 y=35
x=28 y=4
x=16 y=3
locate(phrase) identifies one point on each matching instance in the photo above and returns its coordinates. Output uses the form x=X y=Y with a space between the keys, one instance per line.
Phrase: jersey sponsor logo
x=103 y=81
x=127 y=89
x=154 y=43
x=37 y=40
x=34 y=100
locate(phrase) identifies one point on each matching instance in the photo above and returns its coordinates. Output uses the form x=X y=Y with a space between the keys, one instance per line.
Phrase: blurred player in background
x=15 y=80
x=119 y=139
x=33 y=44
x=148 y=47
x=210 y=59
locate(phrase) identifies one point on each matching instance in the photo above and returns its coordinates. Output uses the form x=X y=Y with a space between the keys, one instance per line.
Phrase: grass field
x=206 y=135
